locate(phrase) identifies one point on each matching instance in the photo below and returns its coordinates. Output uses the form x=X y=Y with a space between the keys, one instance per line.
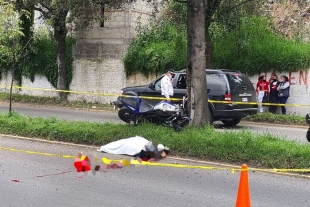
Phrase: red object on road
x=82 y=165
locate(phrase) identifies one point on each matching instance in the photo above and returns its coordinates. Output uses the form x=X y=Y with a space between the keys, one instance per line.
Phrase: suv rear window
x=216 y=81
x=239 y=80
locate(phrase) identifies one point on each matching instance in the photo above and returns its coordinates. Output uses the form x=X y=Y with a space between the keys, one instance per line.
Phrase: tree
x=200 y=47
x=80 y=13
x=26 y=24
x=11 y=33
x=196 y=61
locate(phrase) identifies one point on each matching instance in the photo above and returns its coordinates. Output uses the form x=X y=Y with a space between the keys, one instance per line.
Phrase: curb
x=170 y=158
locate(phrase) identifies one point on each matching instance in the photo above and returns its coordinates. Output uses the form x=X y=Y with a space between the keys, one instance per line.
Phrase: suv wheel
x=308 y=135
x=231 y=123
x=126 y=115
x=210 y=115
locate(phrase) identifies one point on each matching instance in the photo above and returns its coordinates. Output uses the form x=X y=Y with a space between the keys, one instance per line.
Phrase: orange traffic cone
x=243 y=196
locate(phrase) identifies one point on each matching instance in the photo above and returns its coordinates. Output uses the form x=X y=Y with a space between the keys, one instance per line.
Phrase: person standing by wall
x=271 y=76
x=284 y=92
x=262 y=89
x=273 y=97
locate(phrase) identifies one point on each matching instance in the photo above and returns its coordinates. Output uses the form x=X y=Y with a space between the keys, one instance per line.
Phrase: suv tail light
x=228 y=97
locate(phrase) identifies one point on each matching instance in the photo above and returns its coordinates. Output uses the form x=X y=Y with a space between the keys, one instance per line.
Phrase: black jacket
x=273 y=87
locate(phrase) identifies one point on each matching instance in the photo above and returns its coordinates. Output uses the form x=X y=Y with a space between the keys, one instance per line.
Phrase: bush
x=253 y=48
x=42 y=59
x=250 y=46
x=156 y=49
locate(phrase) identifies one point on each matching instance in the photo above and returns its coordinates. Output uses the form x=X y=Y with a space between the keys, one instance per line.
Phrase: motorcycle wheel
x=308 y=135
x=181 y=124
x=184 y=122
x=126 y=115
x=177 y=128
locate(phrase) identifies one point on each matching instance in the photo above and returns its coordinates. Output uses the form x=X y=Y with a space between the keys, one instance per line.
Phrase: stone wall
x=112 y=40
x=40 y=87
x=102 y=76
x=98 y=54
x=105 y=76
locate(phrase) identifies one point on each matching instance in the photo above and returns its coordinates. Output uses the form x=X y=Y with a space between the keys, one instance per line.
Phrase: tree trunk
x=209 y=49
x=13 y=73
x=196 y=62
x=60 y=37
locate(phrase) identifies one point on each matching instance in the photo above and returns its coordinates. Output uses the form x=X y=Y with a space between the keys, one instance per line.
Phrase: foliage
x=248 y=44
x=158 y=46
x=27 y=26
x=254 y=47
x=10 y=31
x=59 y=14
x=203 y=143
x=176 y=14
x=44 y=58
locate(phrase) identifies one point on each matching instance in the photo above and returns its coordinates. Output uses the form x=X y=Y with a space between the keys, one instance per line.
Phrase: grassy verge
x=51 y=101
x=204 y=143
x=278 y=119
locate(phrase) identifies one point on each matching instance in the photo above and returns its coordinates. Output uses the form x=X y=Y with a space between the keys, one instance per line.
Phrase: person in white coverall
x=166 y=85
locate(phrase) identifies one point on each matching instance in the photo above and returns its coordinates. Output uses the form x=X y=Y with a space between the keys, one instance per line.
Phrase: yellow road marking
x=158 y=164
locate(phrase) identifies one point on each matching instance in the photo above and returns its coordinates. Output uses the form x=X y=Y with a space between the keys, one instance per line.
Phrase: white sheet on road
x=129 y=146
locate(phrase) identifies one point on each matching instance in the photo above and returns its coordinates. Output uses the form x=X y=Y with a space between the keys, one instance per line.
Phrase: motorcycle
x=308 y=132
x=134 y=109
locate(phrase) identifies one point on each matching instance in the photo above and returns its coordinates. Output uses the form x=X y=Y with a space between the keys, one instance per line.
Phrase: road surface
x=28 y=180
x=291 y=133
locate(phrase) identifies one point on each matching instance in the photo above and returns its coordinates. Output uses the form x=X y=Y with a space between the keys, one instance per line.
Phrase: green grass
x=51 y=101
x=288 y=119
x=204 y=143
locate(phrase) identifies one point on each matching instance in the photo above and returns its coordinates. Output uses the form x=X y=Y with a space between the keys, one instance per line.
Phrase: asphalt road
x=291 y=133
x=63 y=113
x=28 y=180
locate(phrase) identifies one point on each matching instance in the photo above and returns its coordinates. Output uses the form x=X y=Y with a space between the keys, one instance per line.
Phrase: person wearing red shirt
x=262 y=89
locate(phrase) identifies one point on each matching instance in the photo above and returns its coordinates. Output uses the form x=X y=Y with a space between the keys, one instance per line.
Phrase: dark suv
x=222 y=84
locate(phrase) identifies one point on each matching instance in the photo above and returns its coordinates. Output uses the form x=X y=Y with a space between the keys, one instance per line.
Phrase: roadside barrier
x=154 y=98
